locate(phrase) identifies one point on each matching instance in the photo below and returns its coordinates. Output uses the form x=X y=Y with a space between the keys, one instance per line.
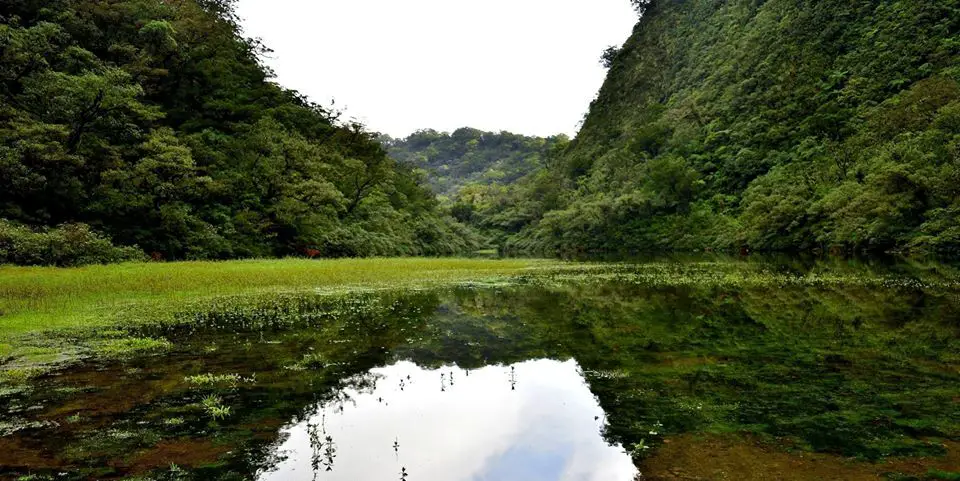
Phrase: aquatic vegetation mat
x=857 y=367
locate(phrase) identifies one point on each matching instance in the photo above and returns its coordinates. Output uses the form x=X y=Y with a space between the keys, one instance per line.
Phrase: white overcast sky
x=527 y=66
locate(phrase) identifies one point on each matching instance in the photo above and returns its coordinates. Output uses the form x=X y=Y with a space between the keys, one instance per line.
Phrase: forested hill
x=761 y=124
x=767 y=124
x=152 y=124
x=472 y=157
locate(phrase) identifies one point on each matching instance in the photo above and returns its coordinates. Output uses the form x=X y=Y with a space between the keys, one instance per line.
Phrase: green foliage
x=157 y=125
x=609 y=55
x=35 y=299
x=774 y=125
x=936 y=474
x=214 y=380
x=214 y=407
x=467 y=156
x=68 y=245
x=857 y=362
x=126 y=347
x=479 y=176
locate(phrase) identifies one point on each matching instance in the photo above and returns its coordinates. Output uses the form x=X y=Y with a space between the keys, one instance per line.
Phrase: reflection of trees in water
x=732 y=357
x=695 y=357
x=346 y=390
x=690 y=357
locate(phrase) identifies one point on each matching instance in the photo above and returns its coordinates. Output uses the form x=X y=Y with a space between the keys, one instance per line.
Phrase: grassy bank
x=34 y=299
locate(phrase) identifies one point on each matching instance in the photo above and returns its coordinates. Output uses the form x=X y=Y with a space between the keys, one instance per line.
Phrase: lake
x=760 y=370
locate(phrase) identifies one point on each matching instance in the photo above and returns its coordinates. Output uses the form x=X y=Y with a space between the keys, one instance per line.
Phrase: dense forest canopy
x=743 y=124
x=770 y=125
x=469 y=156
x=474 y=173
x=153 y=123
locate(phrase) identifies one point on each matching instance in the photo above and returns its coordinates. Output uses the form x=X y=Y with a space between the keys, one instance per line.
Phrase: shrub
x=67 y=245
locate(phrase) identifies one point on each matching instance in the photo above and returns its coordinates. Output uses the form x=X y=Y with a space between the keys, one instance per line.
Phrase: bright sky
x=527 y=66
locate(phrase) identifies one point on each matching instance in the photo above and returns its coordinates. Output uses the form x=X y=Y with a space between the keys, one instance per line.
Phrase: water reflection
x=446 y=425
x=848 y=364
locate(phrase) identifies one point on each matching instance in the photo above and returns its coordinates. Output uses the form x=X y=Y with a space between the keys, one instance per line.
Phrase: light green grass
x=35 y=299
x=114 y=348
x=210 y=379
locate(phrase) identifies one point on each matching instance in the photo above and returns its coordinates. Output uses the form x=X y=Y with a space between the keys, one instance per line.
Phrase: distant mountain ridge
x=471 y=156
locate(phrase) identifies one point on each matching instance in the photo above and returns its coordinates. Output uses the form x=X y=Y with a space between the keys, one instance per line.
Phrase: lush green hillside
x=471 y=157
x=154 y=124
x=475 y=172
x=767 y=124
x=761 y=124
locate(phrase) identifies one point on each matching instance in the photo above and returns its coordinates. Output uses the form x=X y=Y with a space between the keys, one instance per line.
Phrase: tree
x=609 y=55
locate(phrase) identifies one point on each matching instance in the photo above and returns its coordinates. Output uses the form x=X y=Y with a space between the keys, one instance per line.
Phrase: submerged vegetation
x=130 y=346
x=150 y=129
x=52 y=317
x=851 y=362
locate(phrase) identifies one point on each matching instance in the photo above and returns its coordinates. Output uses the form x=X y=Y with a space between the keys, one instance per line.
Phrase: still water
x=700 y=371
x=536 y=420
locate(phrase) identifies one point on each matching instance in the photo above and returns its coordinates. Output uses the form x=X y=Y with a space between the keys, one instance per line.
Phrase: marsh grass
x=312 y=361
x=40 y=298
x=210 y=380
x=36 y=355
x=820 y=367
x=51 y=316
x=19 y=375
x=743 y=274
x=126 y=347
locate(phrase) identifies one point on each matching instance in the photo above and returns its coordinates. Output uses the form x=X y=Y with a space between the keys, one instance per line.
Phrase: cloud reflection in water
x=450 y=425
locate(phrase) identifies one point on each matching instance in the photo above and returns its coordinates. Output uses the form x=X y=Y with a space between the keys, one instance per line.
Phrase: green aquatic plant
x=324 y=450
x=314 y=360
x=177 y=421
x=853 y=369
x=71 y=314
x=640 y=449
x=214 y=406
x=134 y=346
x=214 y=380
x=19 y=375
x=938 y=475
x=12 y=426
x=43 y=299
x=219 y=412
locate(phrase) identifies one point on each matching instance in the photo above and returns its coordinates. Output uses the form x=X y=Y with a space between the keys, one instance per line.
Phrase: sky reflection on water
x=534 y=421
